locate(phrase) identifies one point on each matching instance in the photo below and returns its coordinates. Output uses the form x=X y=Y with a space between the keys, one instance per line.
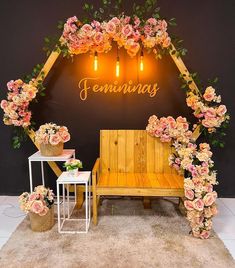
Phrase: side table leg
x=30 y=176
x=58 y=206
x=42 y=170
x=68 y=210
x=63 y=201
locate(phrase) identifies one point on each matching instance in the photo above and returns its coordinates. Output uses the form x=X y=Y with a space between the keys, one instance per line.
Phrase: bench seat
x=140 y=184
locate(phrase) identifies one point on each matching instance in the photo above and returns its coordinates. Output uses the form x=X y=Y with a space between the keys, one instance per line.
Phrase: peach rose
x=127 y=30
x=110 y=27
x=65 y=136
x=37 y=206
x=98 y=38
x=209 y=198
x=189 y=194
x=54 y=139
x=221 y=110
x=204 y=234
x=209 y=94
x=44 y=211
x=3 y=104
x=188 y=205
x=214 y=210
x=198 y=204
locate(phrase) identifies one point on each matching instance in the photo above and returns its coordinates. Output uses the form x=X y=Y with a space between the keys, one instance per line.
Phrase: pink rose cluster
x=195 y=161
x=51 y=133
x=126 y=31
x=207 y=109
x=38 y=202
x=168 y=128
x=16 y=107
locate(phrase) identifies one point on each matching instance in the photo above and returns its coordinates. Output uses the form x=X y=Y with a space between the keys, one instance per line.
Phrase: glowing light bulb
x=142 y=61
x=96 y=61
x=117 y=67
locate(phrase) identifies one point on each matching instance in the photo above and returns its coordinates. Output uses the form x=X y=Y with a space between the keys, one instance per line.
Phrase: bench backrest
x=133 y=151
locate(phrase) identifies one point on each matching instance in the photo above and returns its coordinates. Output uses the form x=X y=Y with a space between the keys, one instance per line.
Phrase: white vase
x=73 y=172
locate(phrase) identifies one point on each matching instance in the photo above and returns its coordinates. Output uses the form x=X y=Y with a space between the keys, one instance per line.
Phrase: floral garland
x=128 y=32
x=194 y=161
x=16 y=107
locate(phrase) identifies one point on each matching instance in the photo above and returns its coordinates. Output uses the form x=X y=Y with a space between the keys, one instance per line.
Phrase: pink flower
x=65 y=136
x=111 y=27
x=136 y=21
x=198 y=204
x=44 y=211
x=210 y=113
x=55 y=139
x=37 y=206
x=127 y=30
x=210 y=198
x=152 y=21
x=189 y=194
x=214 y=210
x=204 y=234
x=221 y=110
x=209 y=94
x=98 y=38
x=3 y=104
x=86 y=28
x=188 y=205
x=115 y=20
x=166 y=43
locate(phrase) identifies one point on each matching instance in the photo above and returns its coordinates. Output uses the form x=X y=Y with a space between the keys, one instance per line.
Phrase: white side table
x=37 y=157
x=65 y=179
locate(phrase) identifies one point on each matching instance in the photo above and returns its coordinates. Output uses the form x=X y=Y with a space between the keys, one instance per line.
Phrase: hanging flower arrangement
x=128 y=32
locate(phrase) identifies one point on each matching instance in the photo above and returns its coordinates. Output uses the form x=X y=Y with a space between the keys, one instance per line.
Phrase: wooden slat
x=121 y=151
x=162 y=181
x=113 y=179
x=158 y=156
x=140 y=139
x=113 y=150
x=153 y=180
x=130 y=151
x=140 y=191
x=150 y=154
x=165 y=155
x=122 y=180
x=104 y=151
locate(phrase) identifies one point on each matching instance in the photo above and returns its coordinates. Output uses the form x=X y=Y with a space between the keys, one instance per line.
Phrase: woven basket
x=42 y=223
x=51 y=150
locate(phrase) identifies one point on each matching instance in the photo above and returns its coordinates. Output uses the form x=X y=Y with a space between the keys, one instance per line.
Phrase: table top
x=66 y=178
x=67 y=153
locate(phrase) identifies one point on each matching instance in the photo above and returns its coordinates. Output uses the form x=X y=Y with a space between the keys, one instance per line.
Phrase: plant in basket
x=51 y=139
x=40 y=206
x=72 y=165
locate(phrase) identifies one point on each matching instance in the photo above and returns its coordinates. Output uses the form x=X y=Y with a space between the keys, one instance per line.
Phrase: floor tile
x=229 y=203
x=224 y=226
x=222 y=208
x=3 y=240
x=230 y=245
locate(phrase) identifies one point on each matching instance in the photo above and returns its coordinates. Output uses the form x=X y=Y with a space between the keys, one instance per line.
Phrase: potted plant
x=51 y=139
x=40 y=206
x=72 y=166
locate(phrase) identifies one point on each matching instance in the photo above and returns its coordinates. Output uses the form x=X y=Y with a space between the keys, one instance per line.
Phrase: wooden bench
x=132 y=163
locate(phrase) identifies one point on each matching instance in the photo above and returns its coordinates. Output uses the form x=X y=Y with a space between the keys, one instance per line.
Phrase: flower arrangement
x=16 y=107
x=72 y=164
x=197 y=165
x=51 y=133
x=38 y=202
x=130 y=33
x=207 y=109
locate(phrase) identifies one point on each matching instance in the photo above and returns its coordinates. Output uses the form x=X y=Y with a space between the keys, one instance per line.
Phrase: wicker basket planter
x=42 y=223
x=51 y=150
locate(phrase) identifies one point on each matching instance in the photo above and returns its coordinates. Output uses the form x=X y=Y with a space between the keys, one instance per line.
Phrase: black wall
x=207 y=28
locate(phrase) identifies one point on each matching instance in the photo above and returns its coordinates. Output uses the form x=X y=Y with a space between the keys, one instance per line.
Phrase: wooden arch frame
x=52 y=59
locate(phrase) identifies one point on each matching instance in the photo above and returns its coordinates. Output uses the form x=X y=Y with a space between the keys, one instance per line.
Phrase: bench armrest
x=96 y=172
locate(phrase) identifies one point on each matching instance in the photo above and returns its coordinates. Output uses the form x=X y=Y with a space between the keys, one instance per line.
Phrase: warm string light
x=141 y=61
x=96 y=61
x=118 y=67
